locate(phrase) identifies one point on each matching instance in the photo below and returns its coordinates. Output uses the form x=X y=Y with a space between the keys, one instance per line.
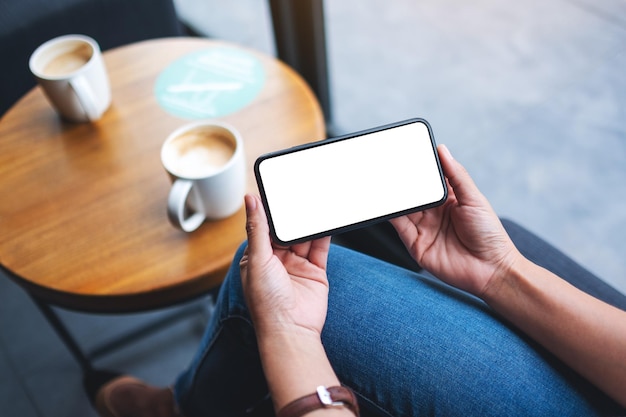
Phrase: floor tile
x=48 y=378
x=14 y=398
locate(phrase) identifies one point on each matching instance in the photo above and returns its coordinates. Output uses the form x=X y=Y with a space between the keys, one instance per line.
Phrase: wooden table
x=83 y=218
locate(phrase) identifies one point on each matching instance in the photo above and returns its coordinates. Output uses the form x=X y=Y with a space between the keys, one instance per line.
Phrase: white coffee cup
x=206 y=163
x=71 y=72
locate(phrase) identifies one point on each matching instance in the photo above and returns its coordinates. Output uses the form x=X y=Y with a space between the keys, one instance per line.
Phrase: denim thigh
x=407 y=344
x=411 y=345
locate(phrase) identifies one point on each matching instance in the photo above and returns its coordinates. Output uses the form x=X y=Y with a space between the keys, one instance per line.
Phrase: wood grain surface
x=83 y=220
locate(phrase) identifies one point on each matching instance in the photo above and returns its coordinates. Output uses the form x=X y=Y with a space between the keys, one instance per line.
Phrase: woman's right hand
x=462 y=242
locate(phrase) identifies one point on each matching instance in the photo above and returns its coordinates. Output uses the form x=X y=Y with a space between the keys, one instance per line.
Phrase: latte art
x=199 y=153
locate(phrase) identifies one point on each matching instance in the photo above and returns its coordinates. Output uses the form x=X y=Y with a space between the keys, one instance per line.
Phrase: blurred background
x=529 y=96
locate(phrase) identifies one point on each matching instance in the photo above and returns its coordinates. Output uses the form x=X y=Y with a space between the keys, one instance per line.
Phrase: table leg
x=94 y=378
x=65 y=335
x=202 y=309
x=300 y=37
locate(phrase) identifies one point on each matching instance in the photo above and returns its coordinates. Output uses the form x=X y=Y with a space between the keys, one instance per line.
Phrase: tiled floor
x=530 y=96
x=40 y=378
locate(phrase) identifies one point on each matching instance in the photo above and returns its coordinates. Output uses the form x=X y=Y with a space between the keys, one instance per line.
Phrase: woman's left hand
x=286 y=288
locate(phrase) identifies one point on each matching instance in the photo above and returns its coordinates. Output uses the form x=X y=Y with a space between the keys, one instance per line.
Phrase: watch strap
x=324 y=397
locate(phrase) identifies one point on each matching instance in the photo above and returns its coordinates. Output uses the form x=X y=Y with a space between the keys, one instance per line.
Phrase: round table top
x=83 y=218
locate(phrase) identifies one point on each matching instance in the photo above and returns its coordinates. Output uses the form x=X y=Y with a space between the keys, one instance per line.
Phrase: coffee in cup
x=68 y=61
x=206 y=163
x=71 y=72
x=199 y=152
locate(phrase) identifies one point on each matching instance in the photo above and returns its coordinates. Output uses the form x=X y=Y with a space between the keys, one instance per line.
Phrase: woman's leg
x=407 y=344
x=225 y=377
x=410 y=345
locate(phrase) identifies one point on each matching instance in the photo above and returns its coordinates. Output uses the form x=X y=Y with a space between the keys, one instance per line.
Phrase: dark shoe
x=127 y=396
x=94 y=379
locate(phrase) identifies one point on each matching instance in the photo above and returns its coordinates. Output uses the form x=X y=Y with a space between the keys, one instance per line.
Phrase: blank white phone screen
x=326 y=187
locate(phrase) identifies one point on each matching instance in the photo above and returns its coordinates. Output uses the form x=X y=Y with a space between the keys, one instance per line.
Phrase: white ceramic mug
x=206 y=163
x=71 y=72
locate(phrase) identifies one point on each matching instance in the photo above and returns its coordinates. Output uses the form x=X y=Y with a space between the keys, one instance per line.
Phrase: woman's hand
x=461 y=242
x=286 y=290
x=285 y=287
x=464 y=244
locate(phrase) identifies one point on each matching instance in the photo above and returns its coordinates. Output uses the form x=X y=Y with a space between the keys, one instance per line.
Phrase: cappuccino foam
x=68 y=62
x=199 y=153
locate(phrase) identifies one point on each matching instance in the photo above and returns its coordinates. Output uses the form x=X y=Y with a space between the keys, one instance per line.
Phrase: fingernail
x=445 y=149
x=250 y=202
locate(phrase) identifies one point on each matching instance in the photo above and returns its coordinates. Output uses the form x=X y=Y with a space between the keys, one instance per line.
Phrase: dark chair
x=26 y=24
x=381 y=241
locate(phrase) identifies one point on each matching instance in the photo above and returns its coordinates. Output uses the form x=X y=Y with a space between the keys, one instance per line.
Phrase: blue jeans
x=406 y=343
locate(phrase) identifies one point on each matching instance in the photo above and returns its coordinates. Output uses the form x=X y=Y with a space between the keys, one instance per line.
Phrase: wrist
x=510 y=268
x=280 y=324
x=295 y=364
x=278 y=330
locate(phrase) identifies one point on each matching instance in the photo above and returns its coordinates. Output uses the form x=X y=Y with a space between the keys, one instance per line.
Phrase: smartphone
x=351 y=181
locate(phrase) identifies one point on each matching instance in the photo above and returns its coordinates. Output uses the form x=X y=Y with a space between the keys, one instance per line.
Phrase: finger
x=243 y=262
x=301 y=249
x=259 y=242
x=318 y=253
x=405 y=227
x=464 y=188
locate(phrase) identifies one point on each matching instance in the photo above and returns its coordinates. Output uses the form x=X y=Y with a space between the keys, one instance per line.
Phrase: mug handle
x=87 y=98
x=176 y=205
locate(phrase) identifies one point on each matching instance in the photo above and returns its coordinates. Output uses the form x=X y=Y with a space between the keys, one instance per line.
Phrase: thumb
x=259 y=243
x=465 y=189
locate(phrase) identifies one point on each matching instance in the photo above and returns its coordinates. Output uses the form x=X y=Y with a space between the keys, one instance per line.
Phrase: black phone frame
x=360 y=224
